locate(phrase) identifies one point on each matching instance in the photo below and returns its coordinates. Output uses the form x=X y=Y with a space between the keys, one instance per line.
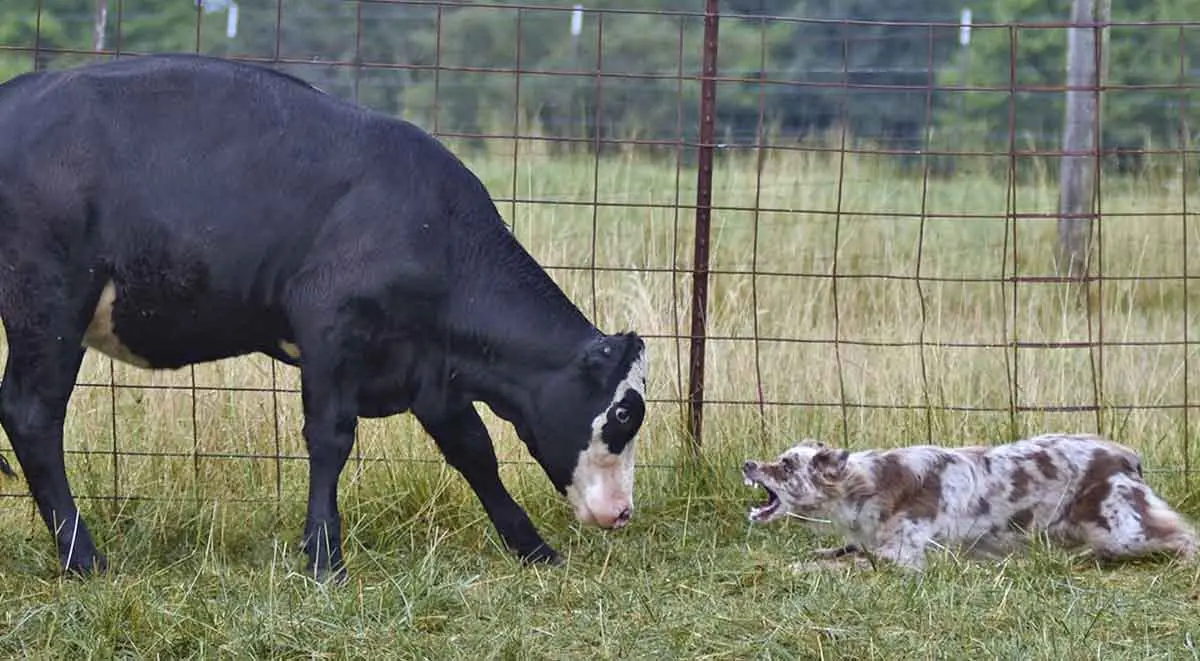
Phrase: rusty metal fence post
x=708 y=108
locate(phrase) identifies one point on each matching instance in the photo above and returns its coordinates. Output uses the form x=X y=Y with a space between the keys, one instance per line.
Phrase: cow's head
x=585 y=424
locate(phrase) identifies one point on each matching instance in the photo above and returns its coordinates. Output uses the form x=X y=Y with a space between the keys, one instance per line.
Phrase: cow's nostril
x=624 y=516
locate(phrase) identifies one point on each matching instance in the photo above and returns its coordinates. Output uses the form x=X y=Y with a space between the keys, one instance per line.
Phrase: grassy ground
x=956 y=355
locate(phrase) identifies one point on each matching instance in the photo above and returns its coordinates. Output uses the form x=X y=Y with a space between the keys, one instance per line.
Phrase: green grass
x=203 y=545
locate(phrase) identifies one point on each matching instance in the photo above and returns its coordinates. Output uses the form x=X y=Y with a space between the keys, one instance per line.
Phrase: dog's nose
x=748 y=466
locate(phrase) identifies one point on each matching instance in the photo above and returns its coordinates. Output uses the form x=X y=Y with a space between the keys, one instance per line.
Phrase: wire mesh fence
x=823 y=225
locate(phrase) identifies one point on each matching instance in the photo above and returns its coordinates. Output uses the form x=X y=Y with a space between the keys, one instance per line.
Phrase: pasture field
x=213 y=480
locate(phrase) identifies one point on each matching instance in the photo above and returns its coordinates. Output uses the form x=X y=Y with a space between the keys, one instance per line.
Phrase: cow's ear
x=607 y=352
x=600 y=357
x=630 y=342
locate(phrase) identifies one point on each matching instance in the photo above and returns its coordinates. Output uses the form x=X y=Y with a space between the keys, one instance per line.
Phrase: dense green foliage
x=1147 y=103
x=901 y=76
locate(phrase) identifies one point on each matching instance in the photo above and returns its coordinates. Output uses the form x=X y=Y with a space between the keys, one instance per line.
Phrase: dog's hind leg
x=1162 y=530
x=1135 y=522
x=1165 y=530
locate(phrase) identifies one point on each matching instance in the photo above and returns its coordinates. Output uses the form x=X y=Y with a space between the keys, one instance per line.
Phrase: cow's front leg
x=330 y=418
x=33 y=404
x=44 y=354
x=463 y=440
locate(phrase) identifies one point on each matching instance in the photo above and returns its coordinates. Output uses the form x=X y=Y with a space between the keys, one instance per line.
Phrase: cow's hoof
x=323 y=573
x=543 y=555
x=336 y=577
x=94 y=564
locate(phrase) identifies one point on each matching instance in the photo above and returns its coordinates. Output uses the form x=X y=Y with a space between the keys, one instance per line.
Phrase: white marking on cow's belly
x=290 y=349
x=101 y=336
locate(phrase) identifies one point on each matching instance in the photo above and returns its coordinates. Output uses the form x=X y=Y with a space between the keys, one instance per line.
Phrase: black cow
x=169 y=210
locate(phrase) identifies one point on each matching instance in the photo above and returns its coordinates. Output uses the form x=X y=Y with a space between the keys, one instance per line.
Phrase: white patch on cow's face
x=601 y=488
x=101 y=334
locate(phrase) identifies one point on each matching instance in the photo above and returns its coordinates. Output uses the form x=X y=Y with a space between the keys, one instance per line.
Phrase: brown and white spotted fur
x=1076 y=490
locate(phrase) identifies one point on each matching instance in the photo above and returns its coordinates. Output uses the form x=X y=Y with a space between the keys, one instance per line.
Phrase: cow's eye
x=621 y=414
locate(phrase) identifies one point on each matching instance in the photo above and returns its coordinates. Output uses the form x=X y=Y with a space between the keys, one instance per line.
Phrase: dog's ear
x=830 y=464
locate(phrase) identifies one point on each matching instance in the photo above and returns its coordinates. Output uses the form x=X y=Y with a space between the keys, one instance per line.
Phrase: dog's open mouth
x=763 y=511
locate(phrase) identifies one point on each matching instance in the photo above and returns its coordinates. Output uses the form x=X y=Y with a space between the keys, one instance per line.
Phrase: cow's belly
x=158 y=334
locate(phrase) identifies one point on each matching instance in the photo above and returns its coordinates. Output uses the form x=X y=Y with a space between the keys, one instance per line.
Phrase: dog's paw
x=844 y=563
x=836 y=552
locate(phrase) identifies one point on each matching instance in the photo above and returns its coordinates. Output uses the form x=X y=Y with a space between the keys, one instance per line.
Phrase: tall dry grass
x=209 y=567
x=879 y=316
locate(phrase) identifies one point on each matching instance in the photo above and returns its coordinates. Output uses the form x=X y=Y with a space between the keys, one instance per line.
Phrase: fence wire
x=850 y=231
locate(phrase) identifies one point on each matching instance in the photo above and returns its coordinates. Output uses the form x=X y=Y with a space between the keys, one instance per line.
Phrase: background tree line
x=902 y=78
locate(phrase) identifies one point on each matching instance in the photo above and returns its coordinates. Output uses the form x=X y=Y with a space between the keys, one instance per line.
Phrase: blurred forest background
x=910 y=86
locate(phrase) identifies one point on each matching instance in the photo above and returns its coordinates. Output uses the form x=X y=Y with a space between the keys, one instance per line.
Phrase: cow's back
x=205 y=186
x=206 y=148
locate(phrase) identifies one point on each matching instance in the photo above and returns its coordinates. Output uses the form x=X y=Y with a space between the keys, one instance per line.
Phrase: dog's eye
x=621 y=414
x=788 y=462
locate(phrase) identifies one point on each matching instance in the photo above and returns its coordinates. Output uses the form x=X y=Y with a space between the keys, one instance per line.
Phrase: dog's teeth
x=749 y=482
